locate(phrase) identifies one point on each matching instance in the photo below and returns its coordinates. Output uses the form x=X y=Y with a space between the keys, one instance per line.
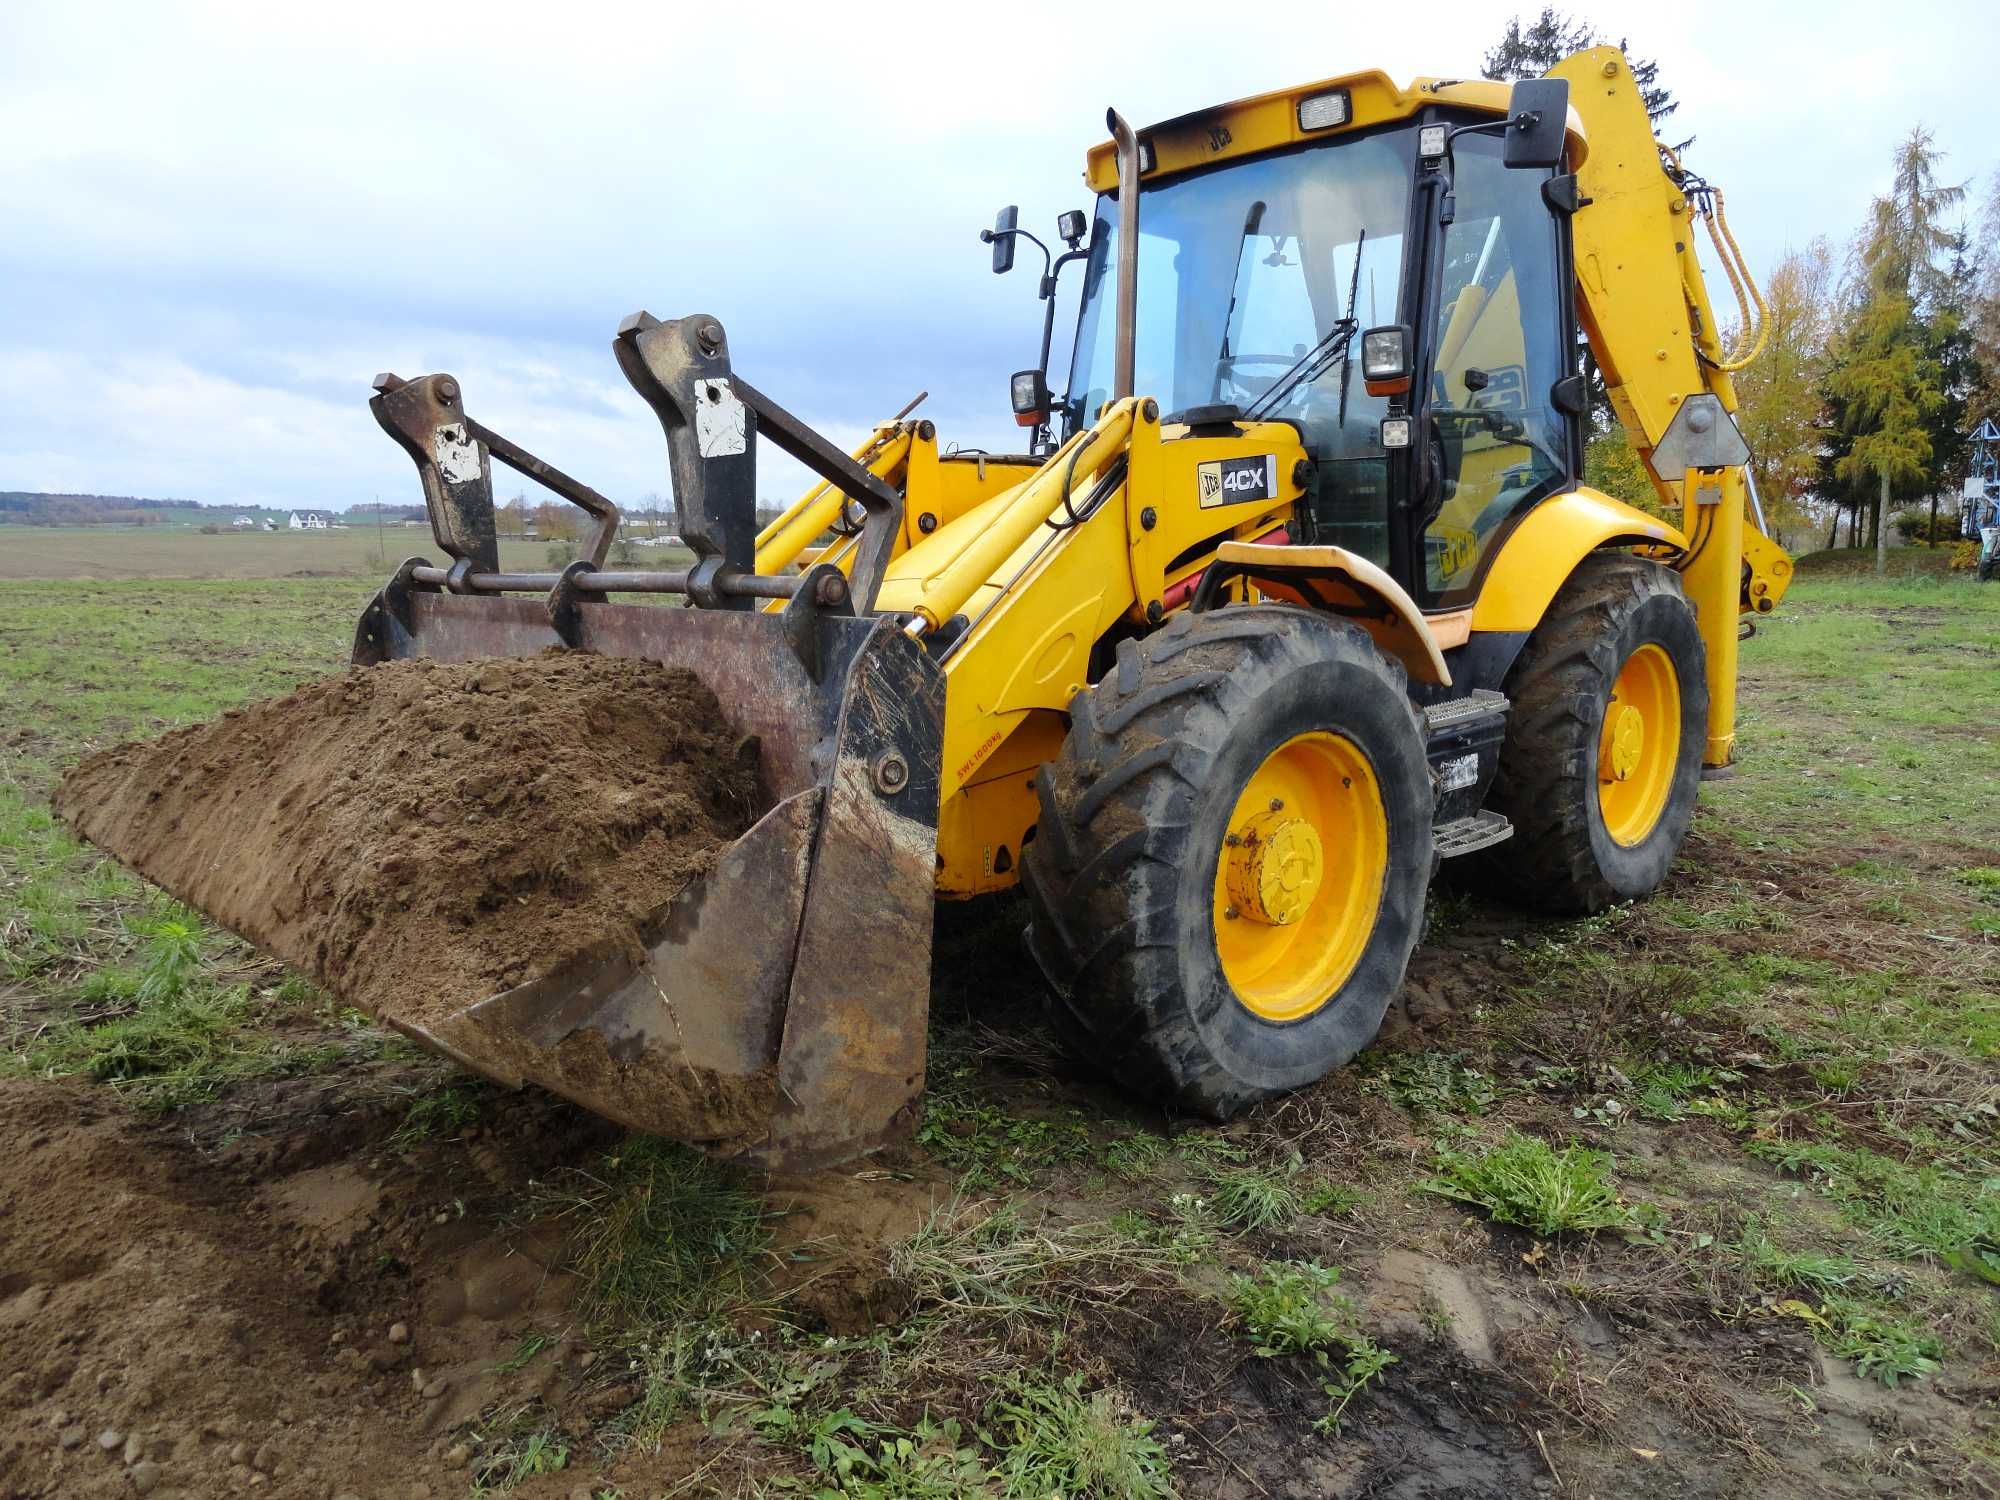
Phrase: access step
x=1453 y=713
x=1463 y=835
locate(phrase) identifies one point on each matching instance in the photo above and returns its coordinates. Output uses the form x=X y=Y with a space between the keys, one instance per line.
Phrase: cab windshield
x=1248 y=269
x=1244 y=269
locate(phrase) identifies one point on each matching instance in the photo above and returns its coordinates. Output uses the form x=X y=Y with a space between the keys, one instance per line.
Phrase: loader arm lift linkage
x=1308 y=596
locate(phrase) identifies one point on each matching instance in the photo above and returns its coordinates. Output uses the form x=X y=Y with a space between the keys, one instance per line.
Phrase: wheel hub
x=1275 y=867
x=1624 y=743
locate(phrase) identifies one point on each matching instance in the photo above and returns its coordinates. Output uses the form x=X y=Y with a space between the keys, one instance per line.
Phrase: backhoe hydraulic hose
x=1726 y=248
x=1707 y=201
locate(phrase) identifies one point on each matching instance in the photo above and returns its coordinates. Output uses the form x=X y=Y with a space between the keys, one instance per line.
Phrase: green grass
x=439 y=1113
x=160 y=1029
x=1436 y=1083
x=1293 y=1309
x=1923 y=1211
x=1055 y=1439
x=659 y=1234
x=524 y=1353
x=1882 y=1347
x=872 y=1461
x=1809 y=1271
x=519 y=1458
x=991 y=1148
x=1526 y=1181
x=1250 y=1198
x=1924 y=745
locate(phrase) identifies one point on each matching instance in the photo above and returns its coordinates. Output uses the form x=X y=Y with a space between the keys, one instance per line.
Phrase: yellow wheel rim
x=1639 y=747
x=1299 y=882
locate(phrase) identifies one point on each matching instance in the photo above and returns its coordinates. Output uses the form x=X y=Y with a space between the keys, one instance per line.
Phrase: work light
x=1071 y=226
x=1395 y=432
x=1029 y=393
x=1430 y=141
x=1323 y=111
x=1385 y=353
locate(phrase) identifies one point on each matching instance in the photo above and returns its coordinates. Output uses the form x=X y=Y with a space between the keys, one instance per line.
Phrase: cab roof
x=1269 y=122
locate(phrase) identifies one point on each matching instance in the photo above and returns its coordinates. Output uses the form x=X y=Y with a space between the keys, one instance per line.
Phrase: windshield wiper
x=1314 y=362
x=1308 y=367
x=1251 y=220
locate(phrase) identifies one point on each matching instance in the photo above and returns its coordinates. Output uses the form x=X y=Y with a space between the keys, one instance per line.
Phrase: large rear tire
x=1228 y=873
x=1602 y=761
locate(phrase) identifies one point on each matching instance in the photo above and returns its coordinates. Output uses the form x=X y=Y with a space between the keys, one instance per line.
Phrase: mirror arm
x=1041 y=439
x=1055 y=270
x=988 y=236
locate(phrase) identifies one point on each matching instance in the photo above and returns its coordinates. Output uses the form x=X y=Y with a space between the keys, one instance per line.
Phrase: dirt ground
x=262 y=1249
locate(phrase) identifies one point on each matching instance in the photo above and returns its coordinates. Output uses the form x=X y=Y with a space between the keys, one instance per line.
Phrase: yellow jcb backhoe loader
x=1299 y=593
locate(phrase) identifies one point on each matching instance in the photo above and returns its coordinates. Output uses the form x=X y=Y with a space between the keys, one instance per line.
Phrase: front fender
x=1543 y=550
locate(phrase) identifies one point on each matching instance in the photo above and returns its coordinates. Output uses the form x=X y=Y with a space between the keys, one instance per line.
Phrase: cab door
x=1500 y=341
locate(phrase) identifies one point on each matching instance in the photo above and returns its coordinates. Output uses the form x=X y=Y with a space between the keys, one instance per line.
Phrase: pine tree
x=1530 y=51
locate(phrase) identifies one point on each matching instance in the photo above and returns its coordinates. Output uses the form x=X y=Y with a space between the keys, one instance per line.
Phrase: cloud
x=223 y=218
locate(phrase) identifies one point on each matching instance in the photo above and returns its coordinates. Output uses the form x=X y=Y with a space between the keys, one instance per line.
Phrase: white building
x=242 y=521
x=308 y=520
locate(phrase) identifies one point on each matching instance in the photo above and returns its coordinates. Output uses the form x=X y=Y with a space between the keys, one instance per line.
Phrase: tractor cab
x=1389 y=276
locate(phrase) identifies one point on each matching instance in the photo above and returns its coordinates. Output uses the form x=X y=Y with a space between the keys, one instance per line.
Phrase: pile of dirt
x=261 y=1321
x=418 y=836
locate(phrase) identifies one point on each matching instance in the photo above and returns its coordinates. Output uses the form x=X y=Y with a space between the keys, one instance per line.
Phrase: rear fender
x=1536 y=558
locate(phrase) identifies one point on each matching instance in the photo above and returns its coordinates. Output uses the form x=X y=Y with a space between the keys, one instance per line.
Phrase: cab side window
x=1498 y=442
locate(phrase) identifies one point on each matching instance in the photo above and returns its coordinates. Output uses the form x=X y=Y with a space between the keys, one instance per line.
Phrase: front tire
x=1602 y=761
x=1228 y=873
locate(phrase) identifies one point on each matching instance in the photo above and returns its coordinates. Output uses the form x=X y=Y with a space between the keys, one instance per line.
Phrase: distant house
x=309 y=520
x=242 y=521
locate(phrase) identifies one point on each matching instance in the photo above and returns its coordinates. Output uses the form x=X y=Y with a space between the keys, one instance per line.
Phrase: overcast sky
x=218 y=221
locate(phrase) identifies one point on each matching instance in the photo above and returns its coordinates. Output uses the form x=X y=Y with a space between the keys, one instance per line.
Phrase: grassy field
x=1700 y=1194
x=183 y=552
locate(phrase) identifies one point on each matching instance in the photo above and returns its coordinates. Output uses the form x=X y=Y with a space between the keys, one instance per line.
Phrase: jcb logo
x=1453 y=549
x=1233 y=481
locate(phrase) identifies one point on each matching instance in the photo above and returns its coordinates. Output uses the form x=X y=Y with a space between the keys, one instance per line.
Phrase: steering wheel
x=1253 y=386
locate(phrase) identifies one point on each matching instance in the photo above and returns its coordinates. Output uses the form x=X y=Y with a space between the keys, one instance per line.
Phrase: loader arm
x=1015 y=598
x=1644 y=304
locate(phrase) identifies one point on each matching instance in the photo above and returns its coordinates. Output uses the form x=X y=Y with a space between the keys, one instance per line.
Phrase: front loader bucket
x=774 y=1010
x=779 y=1013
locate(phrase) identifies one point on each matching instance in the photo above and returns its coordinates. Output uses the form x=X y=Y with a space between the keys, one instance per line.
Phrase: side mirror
x=1028 y=390
x=1538 y=111
x=1071 y=227
x=1001 y=238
